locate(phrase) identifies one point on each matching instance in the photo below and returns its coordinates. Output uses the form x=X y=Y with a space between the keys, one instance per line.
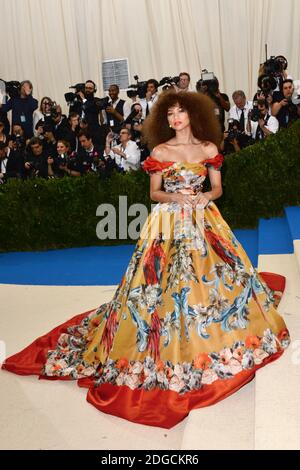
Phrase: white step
x=227 y=425
x=277 y=386
x=42 y=414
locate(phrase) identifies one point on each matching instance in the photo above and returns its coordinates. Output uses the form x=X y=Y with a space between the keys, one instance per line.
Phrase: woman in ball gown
x=191 y=320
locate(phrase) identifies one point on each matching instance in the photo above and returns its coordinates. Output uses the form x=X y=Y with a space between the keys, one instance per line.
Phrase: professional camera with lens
x=233 y=131
x=169 y=82
x=102 y=103
x=62 y=159
x=53 y=110
x=254 y=113
x=12 y=88
x=72 y=97
x=267 y=84
x=137 y=89
x=208 y=83
x=275 y=65
x=19 y=140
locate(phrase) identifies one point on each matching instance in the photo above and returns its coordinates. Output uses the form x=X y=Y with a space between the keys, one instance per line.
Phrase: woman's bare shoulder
x=210 y=149
x=159 y=152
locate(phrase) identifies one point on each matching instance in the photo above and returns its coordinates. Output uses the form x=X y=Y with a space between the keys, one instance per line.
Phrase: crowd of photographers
x=100 y=135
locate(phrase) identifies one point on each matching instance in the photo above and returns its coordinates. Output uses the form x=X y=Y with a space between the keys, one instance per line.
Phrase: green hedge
x=42 y=214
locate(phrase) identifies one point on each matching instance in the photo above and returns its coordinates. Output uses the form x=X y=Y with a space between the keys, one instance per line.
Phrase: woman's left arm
x=216 y=185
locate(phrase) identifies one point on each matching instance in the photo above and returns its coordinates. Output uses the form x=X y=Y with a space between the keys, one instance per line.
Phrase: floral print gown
x=189 y=324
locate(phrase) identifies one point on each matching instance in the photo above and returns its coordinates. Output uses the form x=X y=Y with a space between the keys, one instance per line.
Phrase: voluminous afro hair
x=205 y=125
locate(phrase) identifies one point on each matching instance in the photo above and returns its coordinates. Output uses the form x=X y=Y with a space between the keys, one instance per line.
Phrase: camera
x=137 y=89
x=62 y=159
x=233 y=130
x=102 y=103
x=72 y=97
x=267 y=83
x=12 y=88
x=169 y=82
x=19 y=140
x=208 y=83
x=254 y=113
x=45 y=124
x=275 y=65
x=53 y=110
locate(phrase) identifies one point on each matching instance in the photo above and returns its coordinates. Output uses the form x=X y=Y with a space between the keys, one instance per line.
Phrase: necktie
x=242 y=121
x=147 y=109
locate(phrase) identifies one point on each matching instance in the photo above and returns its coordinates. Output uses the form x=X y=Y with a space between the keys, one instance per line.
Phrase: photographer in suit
x=87 y=106
x=151 y=96
x=209 y=85
x=36 y=159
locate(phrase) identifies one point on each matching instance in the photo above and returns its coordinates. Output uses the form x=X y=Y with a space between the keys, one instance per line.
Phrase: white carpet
x=54 y=415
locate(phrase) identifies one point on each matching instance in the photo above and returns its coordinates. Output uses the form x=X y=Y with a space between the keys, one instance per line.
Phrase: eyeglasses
x=124 y=132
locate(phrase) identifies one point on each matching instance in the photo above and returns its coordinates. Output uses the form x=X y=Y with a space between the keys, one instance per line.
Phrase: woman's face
x=178 y=117
x=61 y=148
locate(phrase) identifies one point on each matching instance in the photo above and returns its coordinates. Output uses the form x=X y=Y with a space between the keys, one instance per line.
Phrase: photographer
x=22 y=108
x=57 y=165
x=183 y=82
x=87 y=159
x=135 y=127
x=210 y=87
x=276 y=68
x=134 y=122
x=73 y=131
x=232 y=137
x=15 y=159
x=43 y=113
x=260 y=124
x=283 y=108
x=127 y=155
x=150 y=98
x=86 y=105
x=36 y=159
x=116 y=111
x=239 y=111
x=59 y=123
x=18 y=136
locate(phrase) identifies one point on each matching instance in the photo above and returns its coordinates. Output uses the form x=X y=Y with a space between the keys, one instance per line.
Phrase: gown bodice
x=184 y=177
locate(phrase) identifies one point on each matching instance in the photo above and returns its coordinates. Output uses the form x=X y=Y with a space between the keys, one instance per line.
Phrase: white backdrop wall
x=57 y=43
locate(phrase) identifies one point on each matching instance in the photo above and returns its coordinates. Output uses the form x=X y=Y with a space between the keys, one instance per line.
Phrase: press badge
x=22 y=118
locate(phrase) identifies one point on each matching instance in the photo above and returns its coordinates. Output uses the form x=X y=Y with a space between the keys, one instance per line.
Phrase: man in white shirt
x=239 y=111
x=151 y=97
x=127 y=155
x=266 y=124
